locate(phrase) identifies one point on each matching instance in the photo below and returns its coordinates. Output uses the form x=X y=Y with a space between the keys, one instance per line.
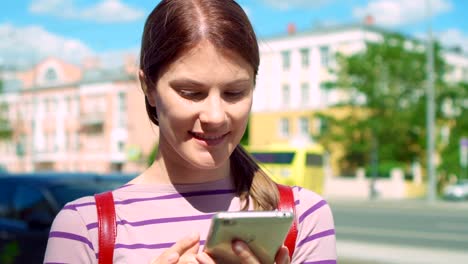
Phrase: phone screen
x=263 y=231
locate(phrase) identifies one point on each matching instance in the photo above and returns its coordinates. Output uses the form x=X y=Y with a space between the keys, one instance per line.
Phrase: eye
x=192 y=95
x=234 y=94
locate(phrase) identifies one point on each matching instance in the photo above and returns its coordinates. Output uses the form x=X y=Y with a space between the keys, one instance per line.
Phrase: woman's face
x=203 y=100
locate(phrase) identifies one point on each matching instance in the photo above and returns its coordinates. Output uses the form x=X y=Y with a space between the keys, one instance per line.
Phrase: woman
x=199 y=60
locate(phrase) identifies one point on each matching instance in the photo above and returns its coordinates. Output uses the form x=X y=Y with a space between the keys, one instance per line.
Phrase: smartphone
x=263 y=231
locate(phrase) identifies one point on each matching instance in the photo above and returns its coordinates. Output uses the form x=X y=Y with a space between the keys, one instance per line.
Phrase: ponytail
x=251 y=181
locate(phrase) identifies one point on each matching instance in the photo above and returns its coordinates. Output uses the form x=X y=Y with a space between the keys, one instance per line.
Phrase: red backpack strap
x=106 y=226
x=287 y=203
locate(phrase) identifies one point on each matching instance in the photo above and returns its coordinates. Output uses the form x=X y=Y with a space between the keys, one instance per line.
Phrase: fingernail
x=193 y=236
x=172 y=258
x=286 y=258
x=238 y=247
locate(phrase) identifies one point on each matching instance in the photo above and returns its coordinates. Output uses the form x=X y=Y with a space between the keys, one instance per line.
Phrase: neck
x=172 y=172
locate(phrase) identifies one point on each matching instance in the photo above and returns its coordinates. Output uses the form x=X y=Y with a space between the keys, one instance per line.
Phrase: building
x=294 y=69
x=68 y=117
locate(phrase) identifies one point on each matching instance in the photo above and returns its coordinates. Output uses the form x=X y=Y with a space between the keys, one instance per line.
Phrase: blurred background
x=363 y=101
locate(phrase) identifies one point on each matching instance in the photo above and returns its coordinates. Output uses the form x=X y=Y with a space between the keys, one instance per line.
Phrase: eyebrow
x=193 y=83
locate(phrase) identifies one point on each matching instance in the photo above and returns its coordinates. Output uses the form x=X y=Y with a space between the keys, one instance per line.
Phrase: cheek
x=241 y=113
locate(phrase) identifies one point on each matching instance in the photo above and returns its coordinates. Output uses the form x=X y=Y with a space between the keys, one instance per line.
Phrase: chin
x=207 y=162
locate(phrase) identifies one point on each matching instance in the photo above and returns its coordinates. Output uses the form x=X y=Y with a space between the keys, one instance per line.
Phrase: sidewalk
x=398 y=203
x=351 y=252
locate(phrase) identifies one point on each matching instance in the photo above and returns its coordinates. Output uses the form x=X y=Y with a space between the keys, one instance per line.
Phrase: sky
x=31 y=30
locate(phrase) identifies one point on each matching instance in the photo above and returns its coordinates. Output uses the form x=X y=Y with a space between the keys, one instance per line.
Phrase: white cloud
x=401 y=12
x=27 y=45
x=454 y=37
x=105 y=11
x=287 y=4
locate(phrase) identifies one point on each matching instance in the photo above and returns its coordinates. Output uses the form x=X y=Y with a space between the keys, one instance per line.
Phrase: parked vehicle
x=29 y=203
x=302 y=166
x=457 y=191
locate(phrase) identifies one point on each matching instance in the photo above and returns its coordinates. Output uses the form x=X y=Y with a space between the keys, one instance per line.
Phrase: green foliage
x=245 y=138
x=386 y=82
x=152 y=155
x=458 y=95
x=5 y=130
x=384 y=168
x=9 y=252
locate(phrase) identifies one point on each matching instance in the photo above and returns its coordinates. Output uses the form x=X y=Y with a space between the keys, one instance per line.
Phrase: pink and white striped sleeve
x=316 y=241
x=69 y=240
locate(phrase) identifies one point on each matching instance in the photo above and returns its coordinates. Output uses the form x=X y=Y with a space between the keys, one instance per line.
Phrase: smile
x=208 y=140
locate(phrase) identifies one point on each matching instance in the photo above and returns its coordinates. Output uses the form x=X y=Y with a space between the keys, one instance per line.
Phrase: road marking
x=452 y=226
x=391 y=211
x=399 y=233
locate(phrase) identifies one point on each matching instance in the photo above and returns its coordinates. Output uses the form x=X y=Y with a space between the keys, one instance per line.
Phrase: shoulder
x=71 y=230
x=316 y=241
x=311 y=207
x=75 y=213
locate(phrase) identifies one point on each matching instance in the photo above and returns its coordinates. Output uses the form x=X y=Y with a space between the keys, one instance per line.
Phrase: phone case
x=263 y=231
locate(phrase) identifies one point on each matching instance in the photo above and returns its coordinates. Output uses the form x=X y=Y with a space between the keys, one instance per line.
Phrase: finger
x=167 y=257
x=243 y=251
x=189 y=256
x=204 y=258
x=282 y=256
x=173 y=254
x=194 y=249
x=186 y=244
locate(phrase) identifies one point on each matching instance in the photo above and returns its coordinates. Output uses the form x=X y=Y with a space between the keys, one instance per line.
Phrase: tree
x=5 y=130
x=386 y=105
x=455 y=100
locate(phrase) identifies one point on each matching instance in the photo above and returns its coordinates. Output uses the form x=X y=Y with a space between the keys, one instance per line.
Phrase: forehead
x=205 y=61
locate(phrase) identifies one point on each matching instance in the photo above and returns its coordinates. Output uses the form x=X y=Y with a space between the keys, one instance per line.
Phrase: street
x=415 y=229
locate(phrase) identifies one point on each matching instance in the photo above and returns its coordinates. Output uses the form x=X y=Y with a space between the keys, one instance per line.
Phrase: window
x=277 y=158
x=284 y=127
x=314 y=159
x=286 y=95
x=29 y=202
x=286 y=58
x=304 y=94
x=76 y=105
x=67 y=141
x=305 y=57
x=121 y=146
x=68 y=104
x=76 y=141
x=304 y=126
x=320 y=125
x=6 y=199
x=51 y=75
x=325 y=94
x=325 y=56
x=4 y=110
x=122 y=105
x=53 y=105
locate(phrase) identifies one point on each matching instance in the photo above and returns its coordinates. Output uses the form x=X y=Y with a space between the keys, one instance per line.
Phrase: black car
x=29 y=203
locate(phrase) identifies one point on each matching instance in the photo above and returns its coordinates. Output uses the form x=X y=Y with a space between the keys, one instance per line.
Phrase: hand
x=183 y=251
x=246 y=255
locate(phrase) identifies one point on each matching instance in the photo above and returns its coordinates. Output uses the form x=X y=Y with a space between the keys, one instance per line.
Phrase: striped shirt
x=151 y=218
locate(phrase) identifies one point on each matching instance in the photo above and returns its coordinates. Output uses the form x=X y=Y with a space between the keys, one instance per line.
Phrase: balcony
x=92 y=122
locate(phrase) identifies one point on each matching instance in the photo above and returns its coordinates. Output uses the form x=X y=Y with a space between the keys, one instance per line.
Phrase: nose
x=213 y=112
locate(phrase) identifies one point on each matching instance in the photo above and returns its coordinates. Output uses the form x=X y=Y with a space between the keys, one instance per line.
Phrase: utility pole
x=430 y=114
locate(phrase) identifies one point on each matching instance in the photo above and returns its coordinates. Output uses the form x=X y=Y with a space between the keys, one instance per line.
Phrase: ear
x=149 y=93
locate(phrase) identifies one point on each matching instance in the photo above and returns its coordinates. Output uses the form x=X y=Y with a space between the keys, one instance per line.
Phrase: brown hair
x=175 y=26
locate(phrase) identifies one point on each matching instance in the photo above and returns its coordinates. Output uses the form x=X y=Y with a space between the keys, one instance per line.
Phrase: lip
x=207 y=139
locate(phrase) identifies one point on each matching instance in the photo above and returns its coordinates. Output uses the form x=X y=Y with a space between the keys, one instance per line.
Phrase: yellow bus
x=286 y=164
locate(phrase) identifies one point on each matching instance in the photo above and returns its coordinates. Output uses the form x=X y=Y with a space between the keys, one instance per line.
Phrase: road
x=411 y=228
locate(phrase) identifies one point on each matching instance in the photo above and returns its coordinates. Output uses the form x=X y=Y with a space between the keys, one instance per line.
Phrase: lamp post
x=430 y=114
